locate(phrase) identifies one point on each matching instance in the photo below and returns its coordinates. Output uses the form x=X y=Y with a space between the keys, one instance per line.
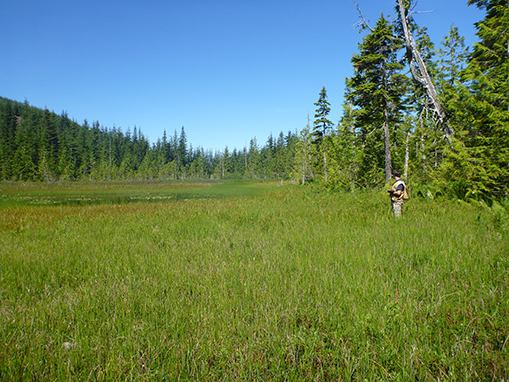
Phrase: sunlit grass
x=290 y=285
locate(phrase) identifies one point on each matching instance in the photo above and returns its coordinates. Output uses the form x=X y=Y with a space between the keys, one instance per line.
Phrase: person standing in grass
x=398 y=193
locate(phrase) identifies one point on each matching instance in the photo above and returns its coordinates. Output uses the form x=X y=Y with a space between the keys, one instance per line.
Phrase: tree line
x=39 y=145
x=441 y=115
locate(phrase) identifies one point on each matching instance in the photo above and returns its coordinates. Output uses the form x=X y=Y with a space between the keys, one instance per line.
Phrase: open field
x=248 y=282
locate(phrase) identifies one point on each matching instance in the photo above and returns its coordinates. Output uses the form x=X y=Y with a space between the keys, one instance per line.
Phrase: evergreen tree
x=46 y=146
x=267 y=154
x=302 y=169
x=453 y=55
x=344 y=172
x=49 y=149
x=253 y=159
x=452 y=59
x=164 y=147
x=148 y=167
x=7 y=141
x=291 y=140
x=321 y=127
x=25 y=157
x=279 y=155
x=182 y=147
x=418 y=66
x=377 y=93
x=421 y=127
x=68 y=132
x=479 y=169
x=198 y=169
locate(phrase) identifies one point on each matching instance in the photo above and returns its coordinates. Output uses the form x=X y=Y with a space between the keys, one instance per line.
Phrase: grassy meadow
x=247 y=281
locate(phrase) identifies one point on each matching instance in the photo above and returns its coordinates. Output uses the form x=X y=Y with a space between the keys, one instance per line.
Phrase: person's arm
x=398 y=191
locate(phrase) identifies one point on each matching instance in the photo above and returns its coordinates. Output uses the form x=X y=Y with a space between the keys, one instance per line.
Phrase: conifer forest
x=438 y=111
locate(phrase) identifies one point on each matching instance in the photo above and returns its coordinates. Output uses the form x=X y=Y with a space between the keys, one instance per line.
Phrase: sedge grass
x=15 y=194
x=291 y=285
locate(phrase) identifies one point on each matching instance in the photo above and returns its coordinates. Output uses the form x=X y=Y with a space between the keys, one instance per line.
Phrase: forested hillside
x=39 y=145
x=438 y=113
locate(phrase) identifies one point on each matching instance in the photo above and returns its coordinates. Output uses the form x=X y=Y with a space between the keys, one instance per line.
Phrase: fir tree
x=452 y=59
x=377 y=94
x=344 y=173
x=7 y=141
x=481 y=169
x=49 y=149
x=321 y=127
x=253 y=159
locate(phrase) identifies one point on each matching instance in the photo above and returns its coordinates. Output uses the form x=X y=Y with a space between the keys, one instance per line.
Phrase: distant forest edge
x=440 y=115
x=39 y=145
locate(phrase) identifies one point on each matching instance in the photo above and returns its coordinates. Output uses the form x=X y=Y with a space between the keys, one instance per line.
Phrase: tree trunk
x=407 y=154
x=324 y=159
x=424 y=166
x=422 y=76
x=387 y=147
x=303 y=173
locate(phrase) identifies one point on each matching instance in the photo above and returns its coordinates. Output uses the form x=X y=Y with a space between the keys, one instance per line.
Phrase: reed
x=289 y=283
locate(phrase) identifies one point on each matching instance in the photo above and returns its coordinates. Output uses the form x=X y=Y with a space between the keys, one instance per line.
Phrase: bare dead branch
x=419 y=12
x=363 y=20
x=420 y=73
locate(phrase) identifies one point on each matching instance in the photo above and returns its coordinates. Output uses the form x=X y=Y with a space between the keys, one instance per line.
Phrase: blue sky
x=226 y=70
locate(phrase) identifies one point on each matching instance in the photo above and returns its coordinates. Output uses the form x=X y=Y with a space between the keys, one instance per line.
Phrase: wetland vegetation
x=251 y=281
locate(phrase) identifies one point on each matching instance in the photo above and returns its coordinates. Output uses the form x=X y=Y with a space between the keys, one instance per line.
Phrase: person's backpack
x=405 y=191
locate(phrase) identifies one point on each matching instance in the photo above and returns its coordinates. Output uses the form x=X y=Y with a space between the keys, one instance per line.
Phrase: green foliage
x=483 y=108
x=302 y=167
x=320 y=134
x=40 y=145
x=344 y=163
x=377 y=93
x=453 y=55
x=7 y=140
x=501 y=215
x=388 y=122
x=321 y=125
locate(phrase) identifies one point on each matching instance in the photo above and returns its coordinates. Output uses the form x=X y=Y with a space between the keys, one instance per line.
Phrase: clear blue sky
x=226 y=70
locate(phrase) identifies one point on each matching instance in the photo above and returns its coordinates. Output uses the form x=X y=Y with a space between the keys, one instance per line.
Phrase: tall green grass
x=294 y=284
